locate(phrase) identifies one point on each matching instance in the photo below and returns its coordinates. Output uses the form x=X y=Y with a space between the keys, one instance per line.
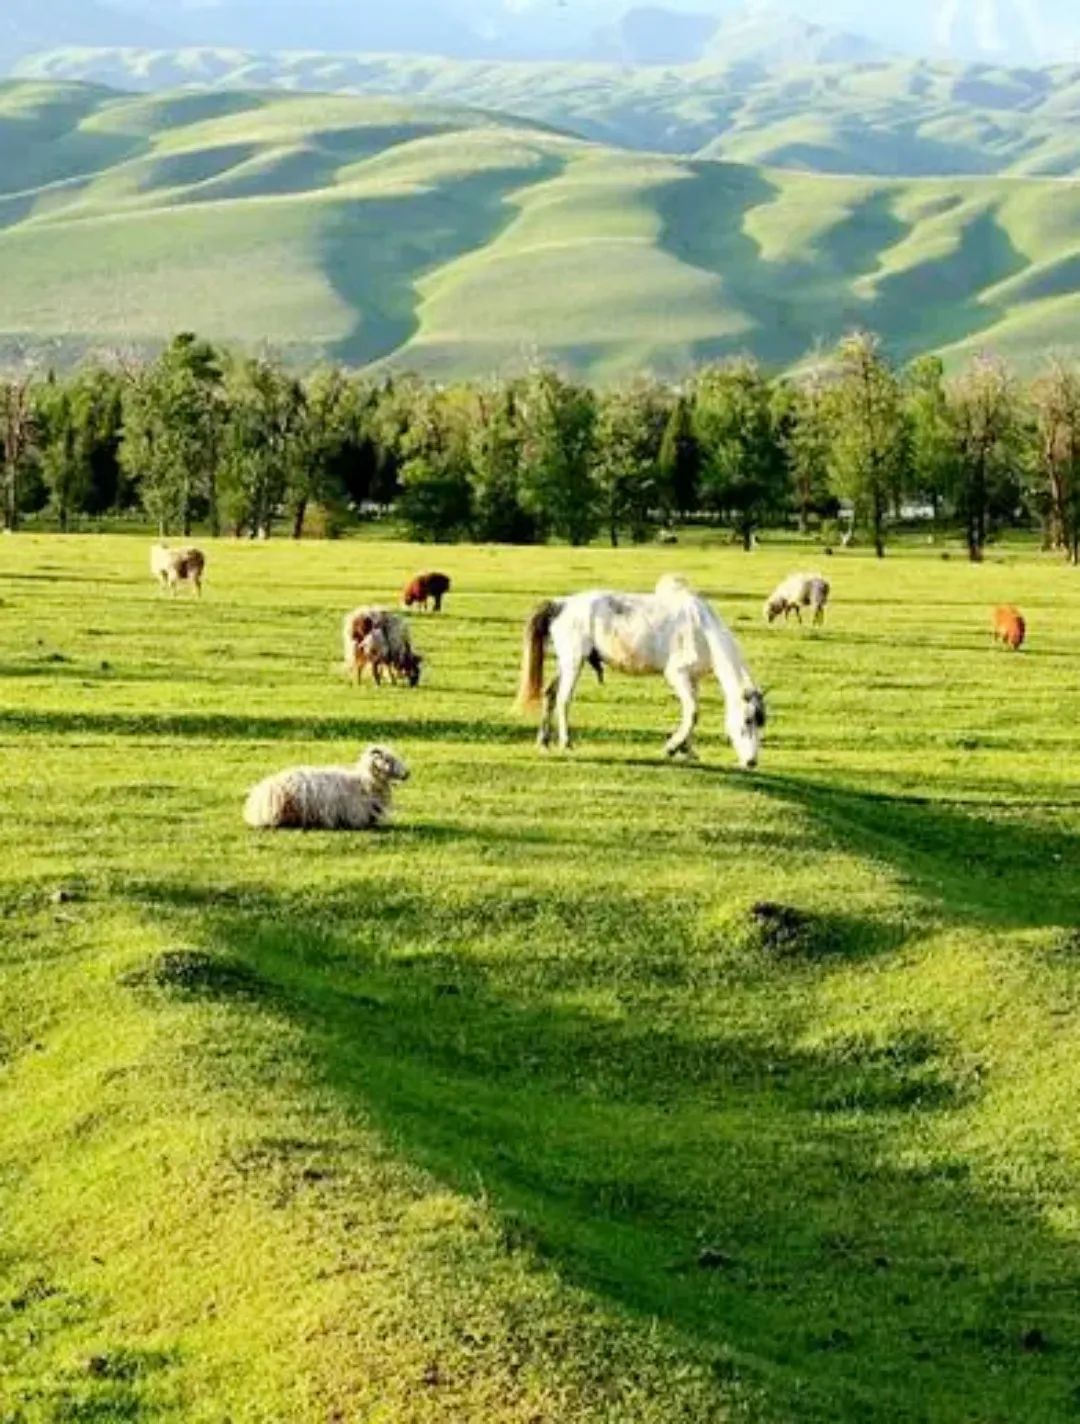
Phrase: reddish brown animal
x=427 y=588
x=1009 y=627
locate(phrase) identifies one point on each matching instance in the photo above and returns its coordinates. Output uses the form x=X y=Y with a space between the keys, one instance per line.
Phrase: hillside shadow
x=746 y=1190
x=938 y=302
x=703 y=224
x=376 y=250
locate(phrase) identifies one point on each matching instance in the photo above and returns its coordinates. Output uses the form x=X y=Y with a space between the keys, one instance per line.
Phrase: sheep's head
x=411 y=664
x=379 y=767
x=773 y=609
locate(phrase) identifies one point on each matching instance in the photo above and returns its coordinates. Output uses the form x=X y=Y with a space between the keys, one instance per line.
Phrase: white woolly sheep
x=172 y=567
x=798 y=591
x=327 y=798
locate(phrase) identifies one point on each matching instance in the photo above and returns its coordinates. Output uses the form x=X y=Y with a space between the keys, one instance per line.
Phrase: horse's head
x=746 y=725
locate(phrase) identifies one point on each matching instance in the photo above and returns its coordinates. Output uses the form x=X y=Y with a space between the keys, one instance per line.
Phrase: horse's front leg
x=685 y=687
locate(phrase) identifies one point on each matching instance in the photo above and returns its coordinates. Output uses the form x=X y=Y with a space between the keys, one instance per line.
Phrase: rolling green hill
x=889 y=118
x=454 y=242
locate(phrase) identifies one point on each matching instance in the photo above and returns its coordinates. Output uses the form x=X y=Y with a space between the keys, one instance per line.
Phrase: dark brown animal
x=1009 y=627
x=427 y=588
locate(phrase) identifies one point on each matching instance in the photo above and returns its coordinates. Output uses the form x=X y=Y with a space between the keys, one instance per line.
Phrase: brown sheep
x=1009 y=627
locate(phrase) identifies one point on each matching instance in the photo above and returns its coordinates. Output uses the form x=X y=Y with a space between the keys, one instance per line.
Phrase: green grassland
x=456 y=242
x=903 y=118
x=520 y=1111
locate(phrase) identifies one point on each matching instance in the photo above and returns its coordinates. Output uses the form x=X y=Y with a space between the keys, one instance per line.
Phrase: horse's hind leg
x=543 y=738
x=685 y=688
x=567 y=681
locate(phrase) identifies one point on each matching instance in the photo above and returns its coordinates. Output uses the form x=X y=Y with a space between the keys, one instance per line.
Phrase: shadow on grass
x=1012 y=865
x=368 y=723
x=761 y=1193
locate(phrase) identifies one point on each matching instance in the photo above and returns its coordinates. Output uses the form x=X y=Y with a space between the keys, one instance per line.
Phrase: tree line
x=240 y=444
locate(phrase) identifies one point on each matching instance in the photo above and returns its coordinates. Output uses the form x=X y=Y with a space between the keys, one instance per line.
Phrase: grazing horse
x=672 y=631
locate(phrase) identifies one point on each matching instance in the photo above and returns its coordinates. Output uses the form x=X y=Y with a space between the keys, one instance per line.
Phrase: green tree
x=984 y=411
x=79 y=422
x=630 y=428
x=869 y=441
x=557 y=419
x=743 y=478
x=327 y=428
x=436 y=493
x=1056 y=397
x=932 y=447
x=64 y=453
x=495 y=456
x=802 y=413
x=679 y=460
x=262 y=443
x=172 y=423
x=17 y=437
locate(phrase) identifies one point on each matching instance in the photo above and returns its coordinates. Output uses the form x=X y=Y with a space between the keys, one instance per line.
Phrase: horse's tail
x=532 y=662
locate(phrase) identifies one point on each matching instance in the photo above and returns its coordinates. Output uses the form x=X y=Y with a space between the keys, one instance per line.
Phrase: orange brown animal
x=425 y=589
x=1009 y=627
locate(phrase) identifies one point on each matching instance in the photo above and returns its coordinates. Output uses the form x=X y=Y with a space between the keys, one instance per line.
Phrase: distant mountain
x=902 y=117
x=775 y=40
x=653 y=35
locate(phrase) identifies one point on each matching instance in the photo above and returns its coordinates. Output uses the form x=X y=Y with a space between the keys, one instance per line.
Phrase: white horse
x=672 y=631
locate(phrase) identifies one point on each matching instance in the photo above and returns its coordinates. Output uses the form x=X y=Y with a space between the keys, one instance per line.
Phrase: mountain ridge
x=891 y=117
x=394 y=234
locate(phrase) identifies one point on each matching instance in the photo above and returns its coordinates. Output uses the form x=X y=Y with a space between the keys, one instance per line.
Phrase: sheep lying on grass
x=327 y=798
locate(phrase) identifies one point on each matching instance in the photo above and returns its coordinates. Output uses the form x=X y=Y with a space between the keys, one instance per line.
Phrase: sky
x=1001 y=31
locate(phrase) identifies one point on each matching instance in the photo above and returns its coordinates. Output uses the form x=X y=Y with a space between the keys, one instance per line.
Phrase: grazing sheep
x=327 y=798
x=1009 y=627
x=172 y=567
x=798 y=591
x=425 y=587
x=376 y=638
